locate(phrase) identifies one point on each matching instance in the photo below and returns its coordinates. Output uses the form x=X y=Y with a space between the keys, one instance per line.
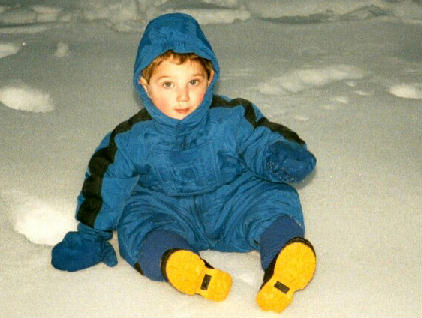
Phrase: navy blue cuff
x=155 y=244
x=276 y=236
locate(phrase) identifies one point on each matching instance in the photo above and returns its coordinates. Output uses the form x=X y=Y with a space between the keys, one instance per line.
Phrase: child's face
x=177 y=89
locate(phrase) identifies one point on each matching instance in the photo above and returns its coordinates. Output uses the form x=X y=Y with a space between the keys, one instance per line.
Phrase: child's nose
x=183 y=94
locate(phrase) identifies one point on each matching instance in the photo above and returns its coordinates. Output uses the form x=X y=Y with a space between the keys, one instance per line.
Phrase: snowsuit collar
x=182 y=34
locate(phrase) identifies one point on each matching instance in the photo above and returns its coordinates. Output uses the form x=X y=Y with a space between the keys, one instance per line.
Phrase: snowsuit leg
x=153 y=223
x=247 y=214
x=259 y=215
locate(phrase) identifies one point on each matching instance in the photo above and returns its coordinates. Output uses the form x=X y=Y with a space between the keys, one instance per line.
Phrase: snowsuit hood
x=180 y=33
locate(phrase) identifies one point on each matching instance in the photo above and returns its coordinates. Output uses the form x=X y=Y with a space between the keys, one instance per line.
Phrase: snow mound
x=25 y=98
x=8 y=49
x=62 y=50
x=19 y=16
x=120 y=15
x=301 y=79
x=39 y=221
x=320 y=11
x=47 y=14
x=23 y=15
x=132 y=15
x=25 y=28
x=216 y=16
x=410 y=91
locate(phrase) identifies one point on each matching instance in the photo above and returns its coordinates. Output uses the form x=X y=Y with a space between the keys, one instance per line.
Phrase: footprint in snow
x=409 y=91
x=7 y=48
x=41 y=222
x=25 y=98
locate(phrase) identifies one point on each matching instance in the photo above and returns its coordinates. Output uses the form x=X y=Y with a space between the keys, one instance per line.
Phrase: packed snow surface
x=25 y=98
x=405 y=90
x=8 y=49
x=345 y=75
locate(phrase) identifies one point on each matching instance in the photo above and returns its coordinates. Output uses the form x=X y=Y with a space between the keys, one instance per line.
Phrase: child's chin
x=181 y=116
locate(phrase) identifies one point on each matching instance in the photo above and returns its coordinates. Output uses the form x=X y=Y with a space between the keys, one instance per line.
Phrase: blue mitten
x=82 y=249
x=289 y=162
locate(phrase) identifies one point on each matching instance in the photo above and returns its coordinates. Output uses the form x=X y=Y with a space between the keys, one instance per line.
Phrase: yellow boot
x=290 y=271
x=190 y=274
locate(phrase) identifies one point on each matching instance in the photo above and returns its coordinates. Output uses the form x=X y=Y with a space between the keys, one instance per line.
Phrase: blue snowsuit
x=215 y=180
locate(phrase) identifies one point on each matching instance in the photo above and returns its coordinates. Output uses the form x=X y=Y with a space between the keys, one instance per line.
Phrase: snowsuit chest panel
x=198 y=163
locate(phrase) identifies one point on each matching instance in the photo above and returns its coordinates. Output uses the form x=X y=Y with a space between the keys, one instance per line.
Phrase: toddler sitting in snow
x=193 y=171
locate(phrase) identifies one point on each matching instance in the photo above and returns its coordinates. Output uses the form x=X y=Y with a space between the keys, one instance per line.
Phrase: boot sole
x=293 y=270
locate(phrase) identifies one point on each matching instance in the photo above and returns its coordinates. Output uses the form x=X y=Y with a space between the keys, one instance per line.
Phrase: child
x=193 y=171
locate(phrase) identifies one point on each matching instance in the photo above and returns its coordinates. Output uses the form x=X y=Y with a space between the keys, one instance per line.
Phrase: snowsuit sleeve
x=109 y=180
x=272 y=151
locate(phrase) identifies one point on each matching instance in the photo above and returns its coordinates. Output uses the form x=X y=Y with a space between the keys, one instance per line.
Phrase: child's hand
x=289 y=162
x=83 y=249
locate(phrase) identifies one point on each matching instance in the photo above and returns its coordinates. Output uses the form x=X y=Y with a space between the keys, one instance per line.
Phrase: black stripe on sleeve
x=250 y=116
x=98 y=165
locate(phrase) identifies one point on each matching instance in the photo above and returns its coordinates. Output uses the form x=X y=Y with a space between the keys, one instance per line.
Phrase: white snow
x=25 y=29
x=327 y=10
x=300 y=79
x=39 y=221
x=131 y=15
x=346 y=75
x=8 y=49
x=412 y=90
x=26 y=98
x=46 y=14
x=18 y=16
x=216 y=16
x=62 y=50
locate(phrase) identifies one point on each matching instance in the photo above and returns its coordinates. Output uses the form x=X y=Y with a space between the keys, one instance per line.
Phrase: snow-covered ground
x=346 y=75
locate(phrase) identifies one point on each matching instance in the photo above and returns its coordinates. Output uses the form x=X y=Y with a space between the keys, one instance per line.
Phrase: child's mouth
x=182 y=111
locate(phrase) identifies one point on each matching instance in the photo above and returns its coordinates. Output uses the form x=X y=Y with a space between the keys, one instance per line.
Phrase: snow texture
x=8 y=49
x=62 y=50
x=39 y=221
x=301 y=79
x=25 y=98
x=346 y=75
x=412 y=90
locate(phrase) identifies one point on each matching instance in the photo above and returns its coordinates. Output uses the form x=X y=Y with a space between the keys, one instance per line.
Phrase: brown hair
x=178 y=58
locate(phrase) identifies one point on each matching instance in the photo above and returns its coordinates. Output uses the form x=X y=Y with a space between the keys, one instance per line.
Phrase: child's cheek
x=200 y=97
x=162 y=100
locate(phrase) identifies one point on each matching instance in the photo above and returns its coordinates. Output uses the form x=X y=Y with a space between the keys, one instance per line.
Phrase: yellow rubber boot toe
x=190 y=274
x=292 y=270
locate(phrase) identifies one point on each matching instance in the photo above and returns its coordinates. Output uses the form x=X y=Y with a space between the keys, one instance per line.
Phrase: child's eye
x=194 y=82
x=167 y=84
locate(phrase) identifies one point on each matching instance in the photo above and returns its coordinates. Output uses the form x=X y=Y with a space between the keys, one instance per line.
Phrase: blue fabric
x=155 y=244
x=82 y=249
x=217 y=178
x=231 y=218
x=276 y=236
x=289 y=162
